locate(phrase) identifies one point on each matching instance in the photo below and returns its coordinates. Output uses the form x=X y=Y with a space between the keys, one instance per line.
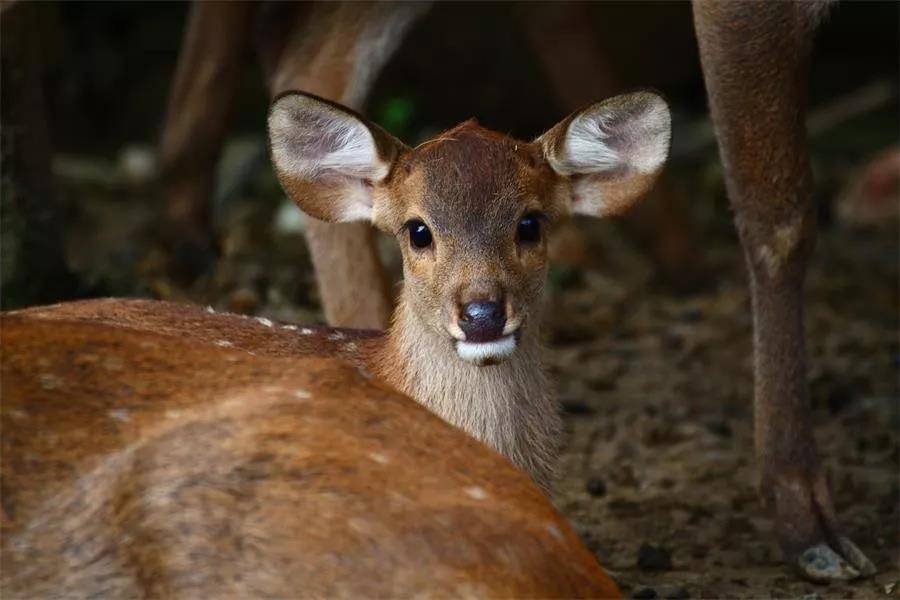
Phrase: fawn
x=135 y=424
x=471 y=210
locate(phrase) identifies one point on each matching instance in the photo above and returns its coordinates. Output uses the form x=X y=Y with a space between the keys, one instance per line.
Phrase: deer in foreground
x=755 y=59
x=145 y=457
x=156 y=449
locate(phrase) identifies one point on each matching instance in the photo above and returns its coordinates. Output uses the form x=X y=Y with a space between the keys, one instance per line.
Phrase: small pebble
x=596 y=487
x=654 y=558
x=644 y=593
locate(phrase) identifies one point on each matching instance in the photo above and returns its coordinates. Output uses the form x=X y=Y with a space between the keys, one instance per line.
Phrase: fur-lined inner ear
x=327 y=158
x=612 y=151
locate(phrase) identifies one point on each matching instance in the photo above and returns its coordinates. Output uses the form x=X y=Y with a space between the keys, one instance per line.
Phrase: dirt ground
x=660 y=429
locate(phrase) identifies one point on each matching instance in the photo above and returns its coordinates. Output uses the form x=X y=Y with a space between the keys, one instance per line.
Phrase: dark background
x=106 y=69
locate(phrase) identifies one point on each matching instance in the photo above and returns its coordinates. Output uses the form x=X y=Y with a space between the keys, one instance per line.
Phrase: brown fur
x=769 y=185
x=199 y=108
x=141 y=458
x=755 y=58
x=470 y=186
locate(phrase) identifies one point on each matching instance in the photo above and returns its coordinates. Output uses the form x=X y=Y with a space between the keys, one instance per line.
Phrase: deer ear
x=328 y=159
x=611 y=152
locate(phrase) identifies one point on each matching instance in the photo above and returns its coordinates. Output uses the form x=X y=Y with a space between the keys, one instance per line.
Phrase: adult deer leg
x=755 y=58
x=197 y=118
x=336 y=51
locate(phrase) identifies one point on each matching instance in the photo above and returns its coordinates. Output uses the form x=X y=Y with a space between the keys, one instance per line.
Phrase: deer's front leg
x=755 y=59
x=336 y=51
x=197 y=118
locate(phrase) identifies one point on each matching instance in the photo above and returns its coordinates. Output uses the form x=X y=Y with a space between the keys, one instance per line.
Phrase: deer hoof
x=821 y=563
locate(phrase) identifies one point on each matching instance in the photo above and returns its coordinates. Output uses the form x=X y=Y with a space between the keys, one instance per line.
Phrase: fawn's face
x=470 y=208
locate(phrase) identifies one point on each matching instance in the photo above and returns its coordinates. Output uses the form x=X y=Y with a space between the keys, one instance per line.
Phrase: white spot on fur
x=379 y=458
x=210 y=310
x=306 y=331
x=289 y=327
x=336 y=336
x=476 y=492
x=113 y=363
x=554 y=531
x=360 y=525
x=478 y=353
x=783 y=241
x=49 y=381
x=301 y=394
x=224 y=343
x=120 y=414
x=264 y=321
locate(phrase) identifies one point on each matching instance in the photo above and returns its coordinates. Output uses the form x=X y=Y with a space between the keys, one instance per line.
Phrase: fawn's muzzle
x=482 y=321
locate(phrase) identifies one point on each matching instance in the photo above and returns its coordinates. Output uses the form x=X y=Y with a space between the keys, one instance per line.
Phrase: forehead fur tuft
x=472 y=174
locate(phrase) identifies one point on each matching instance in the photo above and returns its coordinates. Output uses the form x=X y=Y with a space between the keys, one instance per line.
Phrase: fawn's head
x=470 y=208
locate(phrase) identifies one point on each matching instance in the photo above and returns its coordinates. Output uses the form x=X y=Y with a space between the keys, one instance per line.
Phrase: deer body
x=510 y=407
x=145 y=457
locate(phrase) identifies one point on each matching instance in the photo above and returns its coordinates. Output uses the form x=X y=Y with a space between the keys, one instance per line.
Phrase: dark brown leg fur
x=197 y=118
x=755 y=59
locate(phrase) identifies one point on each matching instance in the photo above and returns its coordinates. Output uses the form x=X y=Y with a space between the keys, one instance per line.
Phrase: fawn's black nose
x=482 y=321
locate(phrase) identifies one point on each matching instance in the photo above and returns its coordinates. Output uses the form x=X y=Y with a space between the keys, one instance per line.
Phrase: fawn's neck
x=509 y=406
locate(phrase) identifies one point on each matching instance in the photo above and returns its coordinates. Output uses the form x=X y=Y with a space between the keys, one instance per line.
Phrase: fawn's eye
x=529 y=229
x=419 y=234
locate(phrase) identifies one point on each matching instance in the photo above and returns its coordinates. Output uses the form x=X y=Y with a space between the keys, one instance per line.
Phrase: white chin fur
x=486 y=351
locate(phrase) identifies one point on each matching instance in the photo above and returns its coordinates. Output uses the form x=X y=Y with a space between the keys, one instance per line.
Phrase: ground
x=659 y=420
